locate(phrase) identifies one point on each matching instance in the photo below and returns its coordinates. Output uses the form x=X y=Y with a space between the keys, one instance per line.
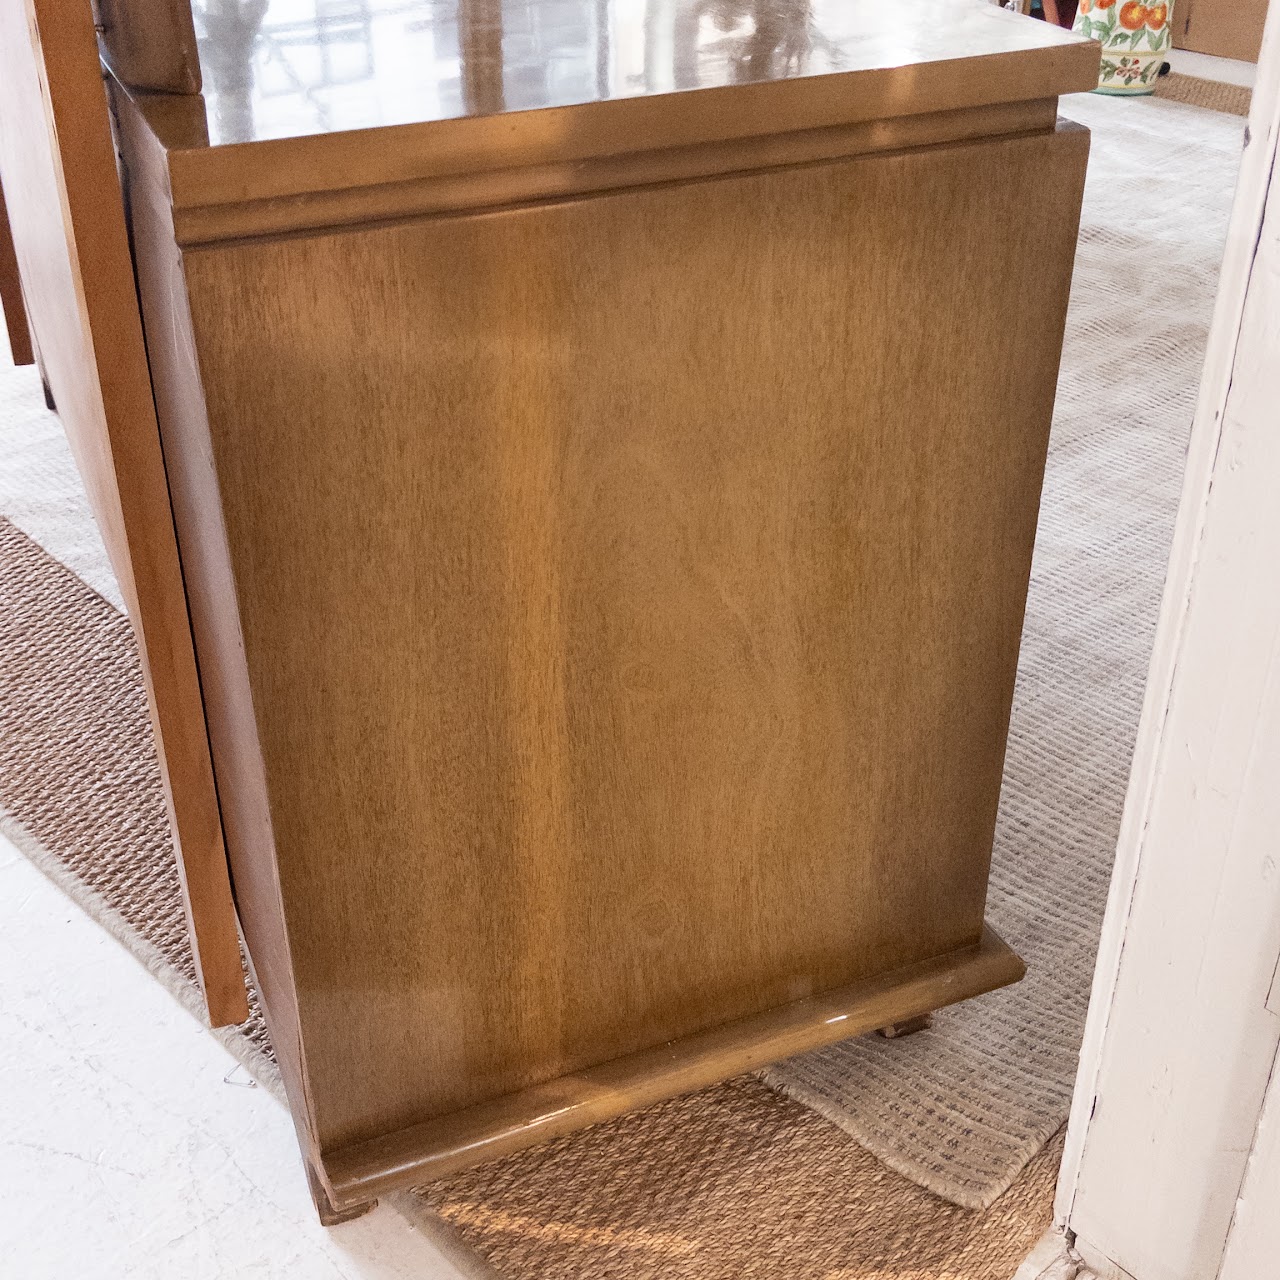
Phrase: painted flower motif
x=1102 y=4
x=1086 y=6
x=1132 y=15
x=1157 y=15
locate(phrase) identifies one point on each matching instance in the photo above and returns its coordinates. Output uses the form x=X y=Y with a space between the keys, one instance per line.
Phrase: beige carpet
x=40 y=489
x=964 y=1107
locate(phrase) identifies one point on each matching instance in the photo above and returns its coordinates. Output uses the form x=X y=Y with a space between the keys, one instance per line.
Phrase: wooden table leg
x=896 y=1030
x=15 y=311
x=329 y=1215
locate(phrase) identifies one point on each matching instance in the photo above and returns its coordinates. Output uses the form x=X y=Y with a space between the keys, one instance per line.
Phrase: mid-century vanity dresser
x=604 y=440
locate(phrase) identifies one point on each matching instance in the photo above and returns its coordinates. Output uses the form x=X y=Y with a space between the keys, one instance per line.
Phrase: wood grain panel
x=59 y=172
x=630 y=591
x=1223 y=28
x=150 y=43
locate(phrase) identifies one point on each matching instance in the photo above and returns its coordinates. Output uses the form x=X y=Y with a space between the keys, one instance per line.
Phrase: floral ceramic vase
x=1135 y=40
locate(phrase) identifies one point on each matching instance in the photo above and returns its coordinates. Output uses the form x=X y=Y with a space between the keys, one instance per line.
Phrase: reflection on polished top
x=293 y=68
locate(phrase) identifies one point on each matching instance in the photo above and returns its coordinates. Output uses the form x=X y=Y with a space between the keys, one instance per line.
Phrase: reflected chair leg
x=896 y=1030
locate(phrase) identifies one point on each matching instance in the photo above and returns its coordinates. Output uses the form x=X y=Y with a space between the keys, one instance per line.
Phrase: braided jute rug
x=1210 y=94
x=960 y=1109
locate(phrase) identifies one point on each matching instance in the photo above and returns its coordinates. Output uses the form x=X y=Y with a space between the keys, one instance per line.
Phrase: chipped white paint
x=1180 y=1042
x=1253 y=1247
x=1050 y=1260
x=1096 y=1267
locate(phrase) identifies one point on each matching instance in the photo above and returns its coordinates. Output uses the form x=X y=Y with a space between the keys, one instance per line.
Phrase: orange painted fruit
x=1132 y=15
x=1157 y=16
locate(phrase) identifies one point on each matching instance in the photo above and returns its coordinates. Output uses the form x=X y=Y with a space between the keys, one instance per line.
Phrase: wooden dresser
x=604 y=439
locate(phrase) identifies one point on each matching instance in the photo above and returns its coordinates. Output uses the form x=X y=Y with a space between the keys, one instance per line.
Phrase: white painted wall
x=1180 y=1042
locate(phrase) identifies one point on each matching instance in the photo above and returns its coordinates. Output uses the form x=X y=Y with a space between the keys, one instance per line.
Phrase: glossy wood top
x=376 y=110
x=293 y=68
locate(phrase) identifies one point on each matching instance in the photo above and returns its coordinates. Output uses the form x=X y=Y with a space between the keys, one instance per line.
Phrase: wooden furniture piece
x=605 y=543
x=1060 y=12
x=150 y=44
x=11 y=302
x=57 y=163
x=1224 y=28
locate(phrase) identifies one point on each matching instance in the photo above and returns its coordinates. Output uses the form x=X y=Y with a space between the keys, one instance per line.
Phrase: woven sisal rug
x=960 y=1109
x=732 y=1182
x=1210 y=94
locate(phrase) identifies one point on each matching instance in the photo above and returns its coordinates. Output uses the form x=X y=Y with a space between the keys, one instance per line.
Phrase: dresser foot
x=330 y=1216
x=44 y=381
x=896 y=1030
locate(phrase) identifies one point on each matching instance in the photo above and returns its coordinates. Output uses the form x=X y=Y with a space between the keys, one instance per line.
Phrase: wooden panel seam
x=212 y=603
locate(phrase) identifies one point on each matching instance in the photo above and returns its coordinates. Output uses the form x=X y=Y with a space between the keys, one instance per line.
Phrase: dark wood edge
x=202 y=175
x=150 y=43
x=329 y=1213
x=363 y=1171
x=214 y=612
x=15 y=310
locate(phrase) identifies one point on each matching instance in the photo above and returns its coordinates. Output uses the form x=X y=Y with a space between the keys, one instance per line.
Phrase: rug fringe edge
x=951 y=1192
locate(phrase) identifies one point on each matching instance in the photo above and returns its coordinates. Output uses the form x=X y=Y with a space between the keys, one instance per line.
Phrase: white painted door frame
x=1253 y=1247
x=1180 y=1042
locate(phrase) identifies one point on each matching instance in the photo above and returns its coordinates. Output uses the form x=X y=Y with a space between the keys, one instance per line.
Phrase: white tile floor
x=129 y=1146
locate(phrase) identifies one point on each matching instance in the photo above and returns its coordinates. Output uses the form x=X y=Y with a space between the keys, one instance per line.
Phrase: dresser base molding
x=201 y=220
x=357 y=1174
x=326 y=1211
